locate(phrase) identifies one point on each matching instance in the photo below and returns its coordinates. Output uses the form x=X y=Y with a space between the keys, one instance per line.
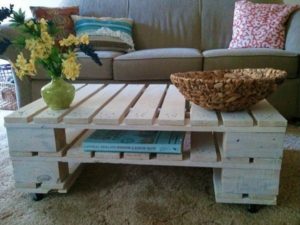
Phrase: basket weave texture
x=228 y=90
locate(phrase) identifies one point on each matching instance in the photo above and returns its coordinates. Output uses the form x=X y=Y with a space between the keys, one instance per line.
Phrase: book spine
x=149 y=148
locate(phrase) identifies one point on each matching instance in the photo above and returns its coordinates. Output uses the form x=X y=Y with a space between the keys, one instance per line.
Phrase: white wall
x=24 y=4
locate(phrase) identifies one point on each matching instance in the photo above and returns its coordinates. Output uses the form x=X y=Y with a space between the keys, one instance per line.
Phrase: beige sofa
x=179 y=35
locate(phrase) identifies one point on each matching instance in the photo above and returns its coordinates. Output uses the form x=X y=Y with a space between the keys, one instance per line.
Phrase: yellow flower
x=30 y=44
x=70 y=40
x=44 y=25
x=20 y=65
x=30 y=68
x=47 y=39
x=70 y=67
x=29 y=23
x=84 y=39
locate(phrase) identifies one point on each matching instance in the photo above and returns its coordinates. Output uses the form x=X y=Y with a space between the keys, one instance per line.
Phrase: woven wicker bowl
x=228 y=90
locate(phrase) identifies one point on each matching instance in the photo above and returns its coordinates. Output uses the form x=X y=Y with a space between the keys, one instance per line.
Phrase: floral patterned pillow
x=61 y=17
x=260 y=25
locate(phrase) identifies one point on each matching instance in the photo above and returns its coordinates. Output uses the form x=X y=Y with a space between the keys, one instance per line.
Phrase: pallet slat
x=173 y=109
x=237 y=119
x=203 y=117
x=267 y=116
x=26 y=113
x=115 y=111
x=55 y=116
x=144 y=111
x=84 y=112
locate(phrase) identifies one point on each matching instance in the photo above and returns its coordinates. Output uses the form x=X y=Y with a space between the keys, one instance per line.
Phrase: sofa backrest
x=157 y=23
x=166 y=23
x=201 y=24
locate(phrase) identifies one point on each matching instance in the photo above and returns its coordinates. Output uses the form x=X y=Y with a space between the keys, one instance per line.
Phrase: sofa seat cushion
x=91 y=71
x=156 y=64
x=251 y=58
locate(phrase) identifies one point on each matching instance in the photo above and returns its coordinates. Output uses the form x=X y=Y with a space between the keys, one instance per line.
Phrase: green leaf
x=18 y=17
x=20 y=42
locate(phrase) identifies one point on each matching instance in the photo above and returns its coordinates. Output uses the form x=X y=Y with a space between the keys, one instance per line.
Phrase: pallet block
x=172 y=157
x=242 y=198
x=140 y=156
x=61 y=187
x=253 y=144
x=39 y=172
x=107 y=155
x=35 y=140
x=250 y=181
x=203 y=147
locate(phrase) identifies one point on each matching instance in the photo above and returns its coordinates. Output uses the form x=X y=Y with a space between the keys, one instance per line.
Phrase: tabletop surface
x=150 y=107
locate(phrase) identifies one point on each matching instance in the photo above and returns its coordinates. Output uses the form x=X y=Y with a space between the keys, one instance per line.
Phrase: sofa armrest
x=10 y=33
x=292 y=43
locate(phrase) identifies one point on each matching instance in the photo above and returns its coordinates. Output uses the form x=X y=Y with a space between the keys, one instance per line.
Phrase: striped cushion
x=106 y=33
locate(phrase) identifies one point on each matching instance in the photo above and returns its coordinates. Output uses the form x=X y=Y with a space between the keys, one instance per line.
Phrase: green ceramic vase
x=58 y=94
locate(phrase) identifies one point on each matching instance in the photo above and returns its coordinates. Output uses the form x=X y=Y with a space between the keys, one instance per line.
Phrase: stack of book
x=167 y=142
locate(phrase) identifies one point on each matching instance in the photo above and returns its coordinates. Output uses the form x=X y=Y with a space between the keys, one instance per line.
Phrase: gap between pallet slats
x=115 y=111
x=84 y=113
x=55 y=116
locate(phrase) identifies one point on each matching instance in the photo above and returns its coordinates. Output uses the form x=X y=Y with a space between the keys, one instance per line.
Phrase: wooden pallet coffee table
x=244 y=148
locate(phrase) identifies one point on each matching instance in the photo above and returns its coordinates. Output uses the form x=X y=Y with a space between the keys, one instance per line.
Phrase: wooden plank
x=76 y=149
x=223 y=197
x=171 y=157
x=136 y=156
x=84 y=112
x=173 y=109
x=25 y=185
x=78 y=86
x=203 y=117
x=35 y=140
x=75 y=171
x=237 y=119
x=107 y=155
x=254 y=181
x=55 y=116
x=115 y=111
x=144 y=111
x=26 y=113
x=253 y=145
x=21 y=154
x=39 y=172
x=203 y=148
x=267 y=116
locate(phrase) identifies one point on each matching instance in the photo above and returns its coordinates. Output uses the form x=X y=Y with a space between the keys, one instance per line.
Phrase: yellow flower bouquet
x=57 y=57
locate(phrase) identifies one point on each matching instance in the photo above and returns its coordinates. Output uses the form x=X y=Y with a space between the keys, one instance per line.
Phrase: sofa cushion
x=251 y=58
x=156 y=64
x=105 y=8
x=257 y=25
x=106 y=33
x=61 y=17
x=91 y=71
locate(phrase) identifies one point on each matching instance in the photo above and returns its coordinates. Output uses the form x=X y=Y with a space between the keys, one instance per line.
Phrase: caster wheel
x=253 y=208
x=37 y=197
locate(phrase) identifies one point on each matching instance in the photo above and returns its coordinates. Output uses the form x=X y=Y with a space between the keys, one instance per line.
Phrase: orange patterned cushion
x=61 y=17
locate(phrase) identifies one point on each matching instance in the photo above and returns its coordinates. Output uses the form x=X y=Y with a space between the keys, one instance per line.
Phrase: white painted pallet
x=150 y=107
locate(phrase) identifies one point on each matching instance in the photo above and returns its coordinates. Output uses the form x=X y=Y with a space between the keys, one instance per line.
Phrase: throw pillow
x=106 y=33
x=258 y=25
x=61 y=17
